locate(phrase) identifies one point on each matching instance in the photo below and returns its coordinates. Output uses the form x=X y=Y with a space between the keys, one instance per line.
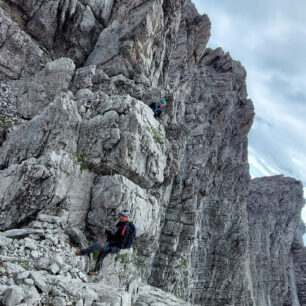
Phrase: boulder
x=39 y=280
x=34 y=186
x=125 y=138
x=4 y=241
x=39 y=91
x=54 y=268
x=13 y=296
x=112 y=194
x=32 y=296
x=20 y=54
x=59 y=301
x=23 y=275
x=25 y=185
x=22 y=232
x=30 y=244
x=101 y=9
x=43 y=25
x=148 y=294
x=14 y=267
x=77 y=236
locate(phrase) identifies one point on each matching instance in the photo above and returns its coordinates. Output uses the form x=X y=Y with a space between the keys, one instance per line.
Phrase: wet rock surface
x=79 y=143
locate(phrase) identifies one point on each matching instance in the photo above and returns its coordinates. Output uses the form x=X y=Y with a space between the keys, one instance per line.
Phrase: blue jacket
x=157 y=110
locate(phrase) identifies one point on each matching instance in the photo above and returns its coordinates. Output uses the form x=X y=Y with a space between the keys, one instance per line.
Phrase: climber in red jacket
x=117 y=239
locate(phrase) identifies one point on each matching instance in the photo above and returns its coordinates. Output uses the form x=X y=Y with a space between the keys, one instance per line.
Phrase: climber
x=120 y=237
x=158 y=107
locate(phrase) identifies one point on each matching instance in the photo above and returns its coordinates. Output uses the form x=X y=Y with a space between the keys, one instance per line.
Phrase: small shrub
x=157 y=137
x=22 y=263
x=81 y=160
x=8 y=122
x=83 y=166
x=123 y=258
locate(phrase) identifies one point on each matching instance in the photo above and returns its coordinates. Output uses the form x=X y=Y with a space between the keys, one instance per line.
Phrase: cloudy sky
x=269 y=39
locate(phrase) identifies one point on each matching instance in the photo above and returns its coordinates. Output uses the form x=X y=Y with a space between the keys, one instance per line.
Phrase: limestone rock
x=44 y=86
x=4 y=241
x=83 y=77
x=77 y=236
x=43 y=25
x=23 y=275
x=20 y=55
x=113 y=194
x=57 y=183
x=79 y=303
x=273 y=212
x=29 y=282
x=17 y=186
x=59 y=301
x=148 y=295
x=108 y=295
x=58 y=260
x=19 y=233
x=13 y=296
x=28 y=7
x=73 y=19
x=297 y=276
x=39 y=280
x=143 y=31
x=128 y=141
x=30 y=244
x=44 y=131
x=31 y=295
x=204 y=197
x=78 y=146
x=14 y=268
x=101 y=9
x=79 y=30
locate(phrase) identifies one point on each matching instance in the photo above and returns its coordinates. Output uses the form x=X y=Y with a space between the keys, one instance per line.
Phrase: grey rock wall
x=274 y=206
x=205 y=231
x=298 y=278
x=42 y=89
x=78 y=143
x=20 y=55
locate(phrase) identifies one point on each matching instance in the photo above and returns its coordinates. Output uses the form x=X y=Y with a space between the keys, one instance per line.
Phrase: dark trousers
x=107 y=249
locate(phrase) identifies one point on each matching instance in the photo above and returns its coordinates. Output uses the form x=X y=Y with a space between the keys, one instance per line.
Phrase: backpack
x=131 y=236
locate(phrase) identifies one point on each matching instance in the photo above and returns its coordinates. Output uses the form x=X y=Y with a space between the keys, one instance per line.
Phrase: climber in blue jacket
x=158 y=107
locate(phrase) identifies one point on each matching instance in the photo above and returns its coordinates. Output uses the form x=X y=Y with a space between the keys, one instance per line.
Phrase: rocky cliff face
x=274 y=205
x=78 y=143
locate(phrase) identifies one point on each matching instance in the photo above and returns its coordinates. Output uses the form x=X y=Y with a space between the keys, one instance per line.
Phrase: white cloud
x=258 y=167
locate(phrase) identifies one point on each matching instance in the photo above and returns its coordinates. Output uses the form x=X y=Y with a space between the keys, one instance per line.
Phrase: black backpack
x=131 y=236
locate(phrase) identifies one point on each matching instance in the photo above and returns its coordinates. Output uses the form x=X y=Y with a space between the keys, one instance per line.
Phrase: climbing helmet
x=124 y=213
